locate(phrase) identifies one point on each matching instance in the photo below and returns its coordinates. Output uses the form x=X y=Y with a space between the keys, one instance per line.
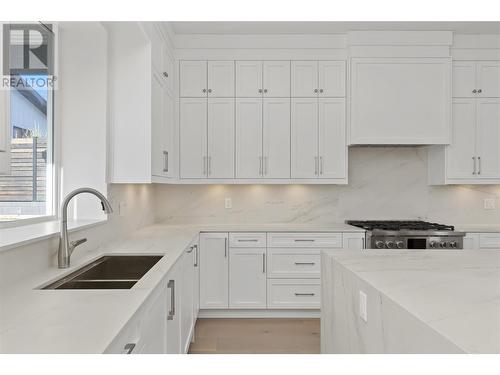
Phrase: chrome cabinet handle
x=250 y=240
x=260 y=165
x=196 y=255
x=128 y=348
x=209 y=165
x=474 y=162
x=263 y=262
x=321 y=165
x=315 y=165
x=266 y=165
x=479 y=161
x=479 y=91
x=304 y=294
x=225 y=247
x=305 y=263
x=165 y=161
x=204 y=166
x=171 y=286
x=474 y=91
x=304 y=240
x=165 y=74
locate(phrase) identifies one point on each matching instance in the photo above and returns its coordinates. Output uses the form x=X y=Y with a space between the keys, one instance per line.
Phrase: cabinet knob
x=474 y=91
x=165 y=74
x=260 y=91
x=204 y=90
x=315 y=90
x=479 y=91
x=209 y=90
x=320 y=90
x=265 y=90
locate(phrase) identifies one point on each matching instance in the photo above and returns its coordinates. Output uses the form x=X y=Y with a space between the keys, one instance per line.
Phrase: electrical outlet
x=489 y=204
x=363 y=314
x=228 y=203
x=122 y=209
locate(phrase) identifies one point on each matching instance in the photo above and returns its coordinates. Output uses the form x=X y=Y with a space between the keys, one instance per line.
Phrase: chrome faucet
x=65 y=247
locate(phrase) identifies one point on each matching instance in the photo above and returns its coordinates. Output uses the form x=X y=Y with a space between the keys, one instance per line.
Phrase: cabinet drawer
x=293 y=263
x=293 y=294
x=489 y=241
x=330 y=240
x=247 y=239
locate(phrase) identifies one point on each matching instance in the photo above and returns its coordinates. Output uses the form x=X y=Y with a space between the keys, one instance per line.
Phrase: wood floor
x=256 y=336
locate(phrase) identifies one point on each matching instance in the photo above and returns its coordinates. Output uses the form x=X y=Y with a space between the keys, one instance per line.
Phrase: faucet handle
x=76 y=243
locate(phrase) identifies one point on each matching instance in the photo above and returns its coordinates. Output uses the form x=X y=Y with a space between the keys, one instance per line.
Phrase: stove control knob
x=442 y=245
x=379 y=244
x=390 y=244
x=452 y=245
x=433 y=244
x=400 y=244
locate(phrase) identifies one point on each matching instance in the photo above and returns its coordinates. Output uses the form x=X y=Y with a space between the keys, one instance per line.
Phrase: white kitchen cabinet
x=196 y=283
x=293 y=293
x=247 y=278
x=220 y=79
x=262 y=78
x=481 y=241
x=193 y=138
x=388 y=96
x=276 y=79
x=174 y=280
x=276 y=138
x=249 y=138
x=214 y=271
x=293 y=263
x=474 y=155
x=145 y=153
x=311 y=79
x=248 y=79
x=220 y=157
x=475 y=79
x=318 y=138
x=187 y=298
x=354 y=241
x=471 y=241
x=193 y=79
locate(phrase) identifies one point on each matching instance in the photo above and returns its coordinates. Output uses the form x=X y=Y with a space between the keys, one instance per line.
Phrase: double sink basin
x=108 y=272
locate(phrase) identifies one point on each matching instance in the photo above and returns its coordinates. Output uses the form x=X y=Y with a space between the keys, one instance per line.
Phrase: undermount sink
x=108 y=272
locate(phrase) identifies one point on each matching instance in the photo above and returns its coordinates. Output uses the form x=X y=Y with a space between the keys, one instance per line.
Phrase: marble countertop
x=456 y=293
x=470 y=228
x=86 y=321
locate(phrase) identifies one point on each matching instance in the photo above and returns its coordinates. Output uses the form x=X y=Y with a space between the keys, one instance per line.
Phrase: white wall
x=384 y=183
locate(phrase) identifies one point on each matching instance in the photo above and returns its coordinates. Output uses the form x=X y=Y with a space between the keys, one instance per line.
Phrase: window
x=26 y=184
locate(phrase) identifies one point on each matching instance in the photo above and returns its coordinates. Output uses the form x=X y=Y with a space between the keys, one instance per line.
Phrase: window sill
x=23 y=235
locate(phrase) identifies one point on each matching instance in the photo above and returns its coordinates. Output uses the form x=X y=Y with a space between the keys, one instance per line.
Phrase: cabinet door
x=196 y=286
x=249 y=138
x=332 y=138
x=276 y=78
x=247 y=278
x=193 y=138
x=304 y=152
x=488 y=138
x=221 y=79
x=193 y=79
x=158 y=127
x=471 y=241
x=488 y=79
x=169 y=153
x=460 y=153
x=248 y=79
x=173 y=312
x=305 y=79
x=220 y=138
x=353 y=241
x=331 y=78
x=464 y=79
x=154 y=325
x=187 y=298
x=214 y=271
x=276 y=139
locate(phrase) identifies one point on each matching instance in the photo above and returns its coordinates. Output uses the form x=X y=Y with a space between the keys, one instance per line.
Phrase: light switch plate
x=228 y=203
x=363 y=313
x=122 y=208
x=489 y=204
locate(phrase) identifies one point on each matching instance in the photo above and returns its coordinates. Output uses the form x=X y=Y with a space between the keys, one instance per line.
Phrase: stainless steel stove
x=394 y=234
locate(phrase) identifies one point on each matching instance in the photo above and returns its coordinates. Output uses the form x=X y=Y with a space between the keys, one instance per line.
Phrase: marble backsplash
x=384 y=183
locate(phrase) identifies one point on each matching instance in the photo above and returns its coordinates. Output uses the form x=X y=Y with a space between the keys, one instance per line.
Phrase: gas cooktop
x=393 y=225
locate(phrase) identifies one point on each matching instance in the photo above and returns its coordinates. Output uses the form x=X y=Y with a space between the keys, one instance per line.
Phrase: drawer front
x=293 y=294
x=329 y=240
x=293 y=263
x=247 y=239
x=489 y=241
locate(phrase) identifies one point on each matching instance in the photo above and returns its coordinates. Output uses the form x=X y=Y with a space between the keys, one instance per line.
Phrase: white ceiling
x=260 y=27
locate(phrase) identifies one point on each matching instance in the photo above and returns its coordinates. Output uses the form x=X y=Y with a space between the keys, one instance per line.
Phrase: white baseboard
x=259 y=313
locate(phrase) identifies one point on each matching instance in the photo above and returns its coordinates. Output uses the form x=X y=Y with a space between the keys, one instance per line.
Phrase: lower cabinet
x=293 y=293
x=214 y=271
x=247 y=278
x=173 y=314
x=186 y=290
x=481 y=241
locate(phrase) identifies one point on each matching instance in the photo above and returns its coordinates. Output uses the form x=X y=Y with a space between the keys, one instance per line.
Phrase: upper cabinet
x=200 y=79
x=141 y=107
x=318 y=78
x=473 y=79
x=269 y=79
x=400 y=101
